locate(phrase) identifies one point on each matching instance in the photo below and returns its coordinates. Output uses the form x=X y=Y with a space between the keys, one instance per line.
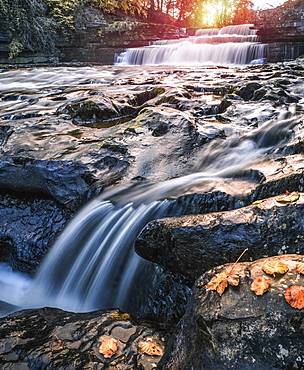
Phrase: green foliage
x=27 y=26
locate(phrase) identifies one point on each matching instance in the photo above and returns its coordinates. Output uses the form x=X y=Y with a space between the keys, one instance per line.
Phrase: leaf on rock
x=260 y=285
x=233 y=278
x=219 y=282
x=108 y=347
x=275 y=267
x=56 y=344
x=150 y=348
x=294 y=296
x=300 y=268
x=258 y=202
x=288 y=197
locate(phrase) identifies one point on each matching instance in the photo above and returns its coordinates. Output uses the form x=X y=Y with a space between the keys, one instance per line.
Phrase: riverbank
x=71 y=133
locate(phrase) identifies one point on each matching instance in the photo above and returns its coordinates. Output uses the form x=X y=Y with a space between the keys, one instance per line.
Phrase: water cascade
x=230 y=45
x=92 y=265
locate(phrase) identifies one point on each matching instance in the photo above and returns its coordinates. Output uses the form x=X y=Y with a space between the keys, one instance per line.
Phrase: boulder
x=239 y=329
x=190 y=245
x=53 y=339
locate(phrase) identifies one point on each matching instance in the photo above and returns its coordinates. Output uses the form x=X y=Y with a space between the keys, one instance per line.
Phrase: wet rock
x=247 y=92
x=190 y=245
x=51 y=338
x=28 y=230
x=240 y=330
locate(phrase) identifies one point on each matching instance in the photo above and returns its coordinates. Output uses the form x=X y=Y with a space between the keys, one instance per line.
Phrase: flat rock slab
x=240 y=330
x=190 y=245
x=53 y=339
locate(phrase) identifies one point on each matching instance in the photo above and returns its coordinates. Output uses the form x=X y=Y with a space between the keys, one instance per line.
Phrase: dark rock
x=240 y=330
x=28 y=229
x=54 y=339
x=247 y=92
x=190 y=245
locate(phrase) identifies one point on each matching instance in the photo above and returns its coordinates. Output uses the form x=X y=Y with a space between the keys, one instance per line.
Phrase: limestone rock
x=190 y=245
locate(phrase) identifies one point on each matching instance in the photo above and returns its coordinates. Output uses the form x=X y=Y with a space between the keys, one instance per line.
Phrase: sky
x=266 y=4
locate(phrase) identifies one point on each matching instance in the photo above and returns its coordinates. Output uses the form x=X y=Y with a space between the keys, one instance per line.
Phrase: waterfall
x=92 y=265
x=230 y=45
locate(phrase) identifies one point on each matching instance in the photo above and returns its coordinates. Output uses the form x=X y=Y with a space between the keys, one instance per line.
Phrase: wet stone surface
x=53 y=339
x=240 y=330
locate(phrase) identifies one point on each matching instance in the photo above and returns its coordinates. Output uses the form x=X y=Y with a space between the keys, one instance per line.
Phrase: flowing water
x=231 y=45
x=93 y=265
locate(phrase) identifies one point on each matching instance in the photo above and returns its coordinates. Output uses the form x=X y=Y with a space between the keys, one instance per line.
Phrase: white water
x=231 y=45
x=92 y=265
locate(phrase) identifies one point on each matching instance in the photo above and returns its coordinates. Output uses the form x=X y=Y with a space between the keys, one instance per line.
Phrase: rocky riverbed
x=69 y=134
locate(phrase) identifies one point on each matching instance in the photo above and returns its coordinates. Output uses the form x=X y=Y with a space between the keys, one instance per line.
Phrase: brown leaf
x=300 y=267
x=275 y=267
x=56 y=344
x=288 y=197
x=219 y=283
x=150 y=348
x=260 y=285
x=233 y=278
x=294 y=296
x=108 y=347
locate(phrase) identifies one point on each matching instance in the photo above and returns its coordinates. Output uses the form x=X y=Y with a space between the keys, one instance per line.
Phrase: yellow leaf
x=300 y=267
x=219 y=283
x=258 y=202
x=275 y=267
x=288 y=197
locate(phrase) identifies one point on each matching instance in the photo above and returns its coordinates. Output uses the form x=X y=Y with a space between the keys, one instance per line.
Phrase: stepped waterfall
x=93 y=265
x=230 y=45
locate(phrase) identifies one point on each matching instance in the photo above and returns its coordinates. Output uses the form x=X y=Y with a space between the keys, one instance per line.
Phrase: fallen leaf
x=275 y=267
x=233 y=278
x=300 y=268
x=219 y=282
x=288 y=197
x=258 y=201
x=260 y=285
x=108 y=347
x=150 y=348
x=56 y=344
x=294 y=296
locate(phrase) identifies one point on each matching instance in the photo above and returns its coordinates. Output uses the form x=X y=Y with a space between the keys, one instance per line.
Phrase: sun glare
x=209 y=18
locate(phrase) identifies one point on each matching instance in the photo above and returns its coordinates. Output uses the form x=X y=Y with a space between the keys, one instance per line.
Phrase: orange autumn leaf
x=294 y=296
x=56 y=344
x=108 y=347
x=288 y=197
x=219 y=283
x=150 y=348
x=275 y=267
x=233 y=278
x=300 y=268
x=260 y=285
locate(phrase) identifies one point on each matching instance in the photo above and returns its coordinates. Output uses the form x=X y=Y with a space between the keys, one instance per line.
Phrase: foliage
x=27 y=26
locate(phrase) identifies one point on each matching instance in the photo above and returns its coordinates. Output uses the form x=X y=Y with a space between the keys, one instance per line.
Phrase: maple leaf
x=294 y=296
x=233 y=278
x=260 y=285
x=275 y=267
x=288 y=197
x=300 y=267
x=108 y=347
x=219 y=283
